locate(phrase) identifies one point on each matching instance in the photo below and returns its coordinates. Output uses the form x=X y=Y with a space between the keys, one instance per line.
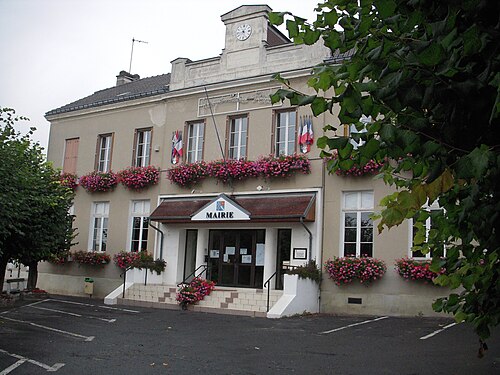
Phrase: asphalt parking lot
x=81 y=336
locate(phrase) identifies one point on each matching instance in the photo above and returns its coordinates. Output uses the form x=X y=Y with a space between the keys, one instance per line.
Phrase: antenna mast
x=132 y=52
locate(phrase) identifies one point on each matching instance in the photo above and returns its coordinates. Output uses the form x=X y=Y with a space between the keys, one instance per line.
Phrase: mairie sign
x=221 y=208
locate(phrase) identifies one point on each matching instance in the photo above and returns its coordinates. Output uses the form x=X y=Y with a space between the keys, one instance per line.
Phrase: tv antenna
x=132 y=52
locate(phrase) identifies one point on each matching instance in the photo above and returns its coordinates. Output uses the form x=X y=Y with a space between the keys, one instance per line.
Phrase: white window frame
x=105 y=142
x=428 y=226
x=100 y=216
x=353 y=130
x=235 y=150
x=141 y=213
x=142 y=157
x=195 y=139
x=290 y=133
x=358 y=210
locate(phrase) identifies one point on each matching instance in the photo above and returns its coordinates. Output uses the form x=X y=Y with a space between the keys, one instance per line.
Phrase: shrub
x=307 y=271
x=344 y=270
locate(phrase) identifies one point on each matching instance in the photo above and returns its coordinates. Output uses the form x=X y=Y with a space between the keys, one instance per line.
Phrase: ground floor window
x=236 y=257
x=100 y=217
x=357 y=226
x=139 y=216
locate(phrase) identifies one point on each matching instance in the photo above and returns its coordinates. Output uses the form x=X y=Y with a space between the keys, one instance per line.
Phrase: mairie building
x=245 y=232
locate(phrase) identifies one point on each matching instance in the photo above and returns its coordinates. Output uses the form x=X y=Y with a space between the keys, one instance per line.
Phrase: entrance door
x=236 y=257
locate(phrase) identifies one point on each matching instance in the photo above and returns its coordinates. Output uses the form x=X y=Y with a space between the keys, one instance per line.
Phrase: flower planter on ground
x=193 y=292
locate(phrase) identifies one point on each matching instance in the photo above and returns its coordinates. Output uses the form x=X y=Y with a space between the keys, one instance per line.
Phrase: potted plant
x=307 y=271
x=193 y=292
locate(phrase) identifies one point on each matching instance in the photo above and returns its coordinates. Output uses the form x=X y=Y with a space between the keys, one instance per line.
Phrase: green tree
x=34 y=218
x=427 y=72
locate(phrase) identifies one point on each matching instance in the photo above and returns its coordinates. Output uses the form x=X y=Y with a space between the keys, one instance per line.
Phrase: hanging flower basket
x=94 y=258
x=411 y=269
x=137 y=178
x=345 y=270
x=99 y=181
x=69 y=180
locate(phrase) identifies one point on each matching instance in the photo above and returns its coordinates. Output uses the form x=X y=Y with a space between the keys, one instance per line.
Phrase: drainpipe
x=161 y=237
x=310 y=237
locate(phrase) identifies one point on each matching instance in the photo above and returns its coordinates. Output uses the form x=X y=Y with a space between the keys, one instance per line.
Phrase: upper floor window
x=237 y=137
x=357 y=226
x=195 y=134
x=139 y=216
x=142 y=147
x=104 y=148
x=285 y=133
x=70 y=155
x=99 y=221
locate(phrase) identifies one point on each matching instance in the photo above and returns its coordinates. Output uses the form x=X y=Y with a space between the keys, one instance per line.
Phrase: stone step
x=224 y=300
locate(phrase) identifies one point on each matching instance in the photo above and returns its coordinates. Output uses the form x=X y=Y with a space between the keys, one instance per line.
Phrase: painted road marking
x=86 y=338
x=437 y=331
x=90 y=305
x=71 y=314
x=22 y=360
x=353 y=325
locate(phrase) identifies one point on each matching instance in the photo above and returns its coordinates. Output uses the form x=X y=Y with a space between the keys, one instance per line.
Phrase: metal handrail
x=269 y=289
x=204 y=266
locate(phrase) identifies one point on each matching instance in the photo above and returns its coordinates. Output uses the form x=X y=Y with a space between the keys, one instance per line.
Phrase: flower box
x=237 y=170
x=372 y=167
x=137 y=178
x=345 y=270
x=95 y=258
x=99 y=181
x=69 y=180
x=412 y=269
x=127 y=260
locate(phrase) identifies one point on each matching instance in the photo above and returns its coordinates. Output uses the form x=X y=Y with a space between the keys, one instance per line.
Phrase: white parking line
x=437 y=331
x=90 y=305
x=86 y=338
x=71 y=314
x=353 y=325
x=22 y=360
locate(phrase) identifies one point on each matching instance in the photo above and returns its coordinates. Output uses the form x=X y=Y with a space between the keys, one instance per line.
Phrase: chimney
x=126 y=77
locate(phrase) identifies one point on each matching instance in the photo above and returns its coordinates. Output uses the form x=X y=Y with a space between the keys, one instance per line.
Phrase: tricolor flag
x=176 y=147
x=306 y=134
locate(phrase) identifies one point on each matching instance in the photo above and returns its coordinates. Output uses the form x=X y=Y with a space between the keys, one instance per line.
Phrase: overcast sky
x=54 y=52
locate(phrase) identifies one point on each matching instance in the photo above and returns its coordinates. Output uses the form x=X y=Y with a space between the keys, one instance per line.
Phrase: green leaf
x=293 y=28
x=276 y=18
x=385 y=8
x=311 y=36
x=370 y=148
x=432 y=55
x=319 y=105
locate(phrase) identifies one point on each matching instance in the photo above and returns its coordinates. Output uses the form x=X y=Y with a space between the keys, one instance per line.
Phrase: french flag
x=306 y=138
x=176 y=147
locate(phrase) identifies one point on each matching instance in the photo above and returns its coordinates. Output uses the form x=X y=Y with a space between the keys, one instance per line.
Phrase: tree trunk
x=3 y=269
x=32 y=275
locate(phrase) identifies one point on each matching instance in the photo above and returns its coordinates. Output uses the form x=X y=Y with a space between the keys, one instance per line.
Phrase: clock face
x=243 y=32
